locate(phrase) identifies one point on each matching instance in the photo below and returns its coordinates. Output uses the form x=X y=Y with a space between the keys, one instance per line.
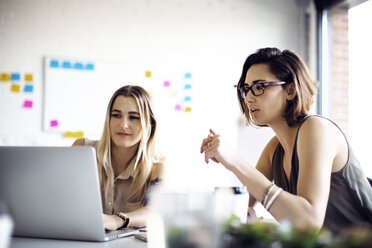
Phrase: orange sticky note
x=15 y=88
x=29 y=77
x=5 y=77
x=76 y=135
x=148 y=74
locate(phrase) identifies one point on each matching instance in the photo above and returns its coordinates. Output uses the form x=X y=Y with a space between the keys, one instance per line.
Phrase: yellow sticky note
x=15 y=88
x=188 y=109
x=5 y=77
x=29 y=77
x=76 y=135
x=173 y=93
x=148 y=74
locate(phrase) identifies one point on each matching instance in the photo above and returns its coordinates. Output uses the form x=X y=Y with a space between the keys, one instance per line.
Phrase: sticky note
x=29 y=77
x=166 y=84
x=15 y=77
x=90 y=66
x=178 y=107
x=187 y=98
x=188 y=75
x=27 y=104
x=28 y=88
x=188 y=109
x=173 y=93
x=78 y=66
x=54 y=123
x=54 y=64
x=66 y=65
x=187 y=86
x=5 y=77
x=148 y=74
x=15 y=88
x=76 y=135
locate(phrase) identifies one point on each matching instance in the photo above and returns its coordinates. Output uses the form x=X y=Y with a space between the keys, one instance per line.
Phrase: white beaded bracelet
x=267 y=193
x=272 y=199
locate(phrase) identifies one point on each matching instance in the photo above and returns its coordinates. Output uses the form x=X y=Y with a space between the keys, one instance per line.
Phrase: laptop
x=54 y=192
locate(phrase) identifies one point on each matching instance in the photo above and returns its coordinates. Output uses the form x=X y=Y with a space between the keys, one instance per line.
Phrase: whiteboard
x=77 y=92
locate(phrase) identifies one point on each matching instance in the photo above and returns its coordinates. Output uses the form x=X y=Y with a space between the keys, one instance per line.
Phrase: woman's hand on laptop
x=112 y=222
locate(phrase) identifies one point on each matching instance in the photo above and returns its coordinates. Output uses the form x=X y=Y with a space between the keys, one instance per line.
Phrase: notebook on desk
x=53 y=192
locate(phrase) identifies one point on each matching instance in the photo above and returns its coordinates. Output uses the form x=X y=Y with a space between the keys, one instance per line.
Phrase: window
x=346 y=83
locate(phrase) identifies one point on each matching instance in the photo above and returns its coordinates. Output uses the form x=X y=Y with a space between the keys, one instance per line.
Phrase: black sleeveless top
x=350 y=197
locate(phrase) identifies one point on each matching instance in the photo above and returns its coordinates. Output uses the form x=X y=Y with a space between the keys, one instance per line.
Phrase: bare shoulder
x=317 y=125
x=322 y=135
x=79 y=142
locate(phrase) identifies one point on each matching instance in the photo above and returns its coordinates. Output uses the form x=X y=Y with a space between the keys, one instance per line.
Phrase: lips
x=253 y=111
x=122 y=134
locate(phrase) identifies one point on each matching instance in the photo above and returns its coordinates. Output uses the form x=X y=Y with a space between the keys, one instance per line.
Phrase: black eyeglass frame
x=263 y=84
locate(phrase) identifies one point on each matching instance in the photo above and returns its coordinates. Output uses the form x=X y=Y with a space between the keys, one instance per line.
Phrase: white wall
x=209 y=38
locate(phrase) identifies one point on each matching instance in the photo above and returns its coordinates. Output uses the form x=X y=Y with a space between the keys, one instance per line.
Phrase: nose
x=249 y=97
x=125 y=123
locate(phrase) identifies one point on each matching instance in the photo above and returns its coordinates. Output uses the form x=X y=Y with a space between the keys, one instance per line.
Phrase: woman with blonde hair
x=128 y=163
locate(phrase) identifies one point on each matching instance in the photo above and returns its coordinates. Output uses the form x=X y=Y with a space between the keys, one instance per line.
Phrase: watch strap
x=124 y=217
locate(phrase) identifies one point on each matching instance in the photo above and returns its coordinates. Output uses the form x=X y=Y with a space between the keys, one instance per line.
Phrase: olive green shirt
x=350 y=197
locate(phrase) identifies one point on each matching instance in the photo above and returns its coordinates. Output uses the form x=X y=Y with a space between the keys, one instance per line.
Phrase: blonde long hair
x=146 y=153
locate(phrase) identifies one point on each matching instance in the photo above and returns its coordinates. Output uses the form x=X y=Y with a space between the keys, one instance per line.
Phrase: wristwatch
x=124 y=217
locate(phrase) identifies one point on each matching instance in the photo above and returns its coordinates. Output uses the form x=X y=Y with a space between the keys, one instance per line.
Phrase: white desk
x=127 y=242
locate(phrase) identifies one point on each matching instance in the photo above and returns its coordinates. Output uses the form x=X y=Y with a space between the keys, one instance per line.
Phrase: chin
x=123 y=144
x=259 y=123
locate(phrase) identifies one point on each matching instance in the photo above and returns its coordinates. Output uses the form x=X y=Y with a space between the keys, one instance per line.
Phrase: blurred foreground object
x=270 y=235
x=6 y=227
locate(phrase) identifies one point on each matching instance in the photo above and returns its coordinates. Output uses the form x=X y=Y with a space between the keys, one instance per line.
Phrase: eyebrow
x=256 y=81
x=130 y=112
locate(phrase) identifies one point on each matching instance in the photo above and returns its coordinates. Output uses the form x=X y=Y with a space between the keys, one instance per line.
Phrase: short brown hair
x=287 y=66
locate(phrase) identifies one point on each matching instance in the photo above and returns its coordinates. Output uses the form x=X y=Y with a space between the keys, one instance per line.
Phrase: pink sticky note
x=178 y=107
x=27 y=104
x=166 y=84
x=54 y=123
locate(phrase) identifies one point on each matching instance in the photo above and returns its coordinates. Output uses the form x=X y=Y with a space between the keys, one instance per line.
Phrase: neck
x=121 y=157
x=285 y=134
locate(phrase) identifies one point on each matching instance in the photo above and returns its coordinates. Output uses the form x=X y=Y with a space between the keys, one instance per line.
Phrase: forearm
x=138 y=218
x=296 y=209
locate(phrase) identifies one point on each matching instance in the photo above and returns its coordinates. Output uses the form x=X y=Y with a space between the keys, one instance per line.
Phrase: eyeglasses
x=257 y=88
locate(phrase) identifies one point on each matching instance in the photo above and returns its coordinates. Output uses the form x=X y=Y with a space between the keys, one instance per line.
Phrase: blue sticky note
x=78 y=66
x=188 y=75
x=187 y=98
x=15 y=77
x=28 y=88
x=66 y=64
x=187 y=86
x=90 y=66
x=54 y=64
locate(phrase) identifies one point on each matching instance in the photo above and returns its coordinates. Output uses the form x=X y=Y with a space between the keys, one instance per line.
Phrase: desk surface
x=130 y=242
